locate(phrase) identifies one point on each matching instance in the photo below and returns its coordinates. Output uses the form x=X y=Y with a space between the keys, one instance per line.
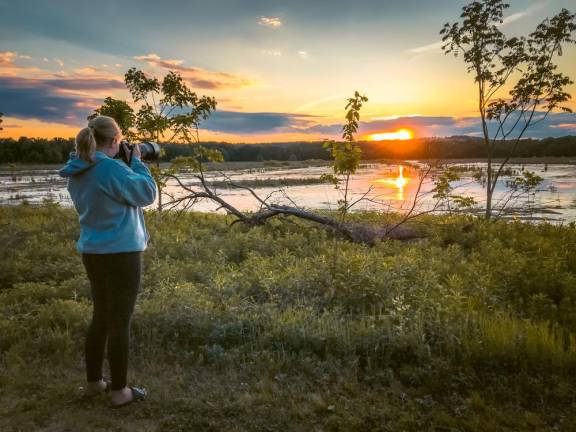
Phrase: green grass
x=266 y=329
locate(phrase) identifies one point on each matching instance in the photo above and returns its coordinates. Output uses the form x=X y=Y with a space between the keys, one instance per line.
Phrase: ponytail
x=86 y=144
x=101 y=129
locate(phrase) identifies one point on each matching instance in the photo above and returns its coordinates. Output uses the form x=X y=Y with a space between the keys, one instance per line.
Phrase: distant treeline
x=38 y=150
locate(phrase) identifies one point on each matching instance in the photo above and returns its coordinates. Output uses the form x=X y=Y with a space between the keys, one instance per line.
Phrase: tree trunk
x=159 y=199
x=489 y=187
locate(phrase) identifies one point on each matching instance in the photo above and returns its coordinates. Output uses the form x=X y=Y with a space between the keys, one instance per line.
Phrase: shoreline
x=534 y=160
x=273 y=164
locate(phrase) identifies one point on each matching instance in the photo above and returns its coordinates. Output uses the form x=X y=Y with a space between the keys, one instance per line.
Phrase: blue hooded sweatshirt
x=108 y=196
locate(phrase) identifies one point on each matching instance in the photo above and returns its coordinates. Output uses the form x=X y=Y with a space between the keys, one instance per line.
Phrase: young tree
x=168 y=111
x=120 y=111
x=507 y=110
x=346 y=154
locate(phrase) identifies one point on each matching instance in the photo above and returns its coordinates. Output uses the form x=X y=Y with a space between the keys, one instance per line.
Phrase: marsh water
x=378 y=186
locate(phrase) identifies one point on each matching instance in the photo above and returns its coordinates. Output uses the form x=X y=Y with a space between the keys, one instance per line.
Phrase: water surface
x=383 y=186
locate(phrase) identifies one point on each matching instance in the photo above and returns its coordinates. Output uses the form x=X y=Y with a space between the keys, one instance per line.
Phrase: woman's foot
x=95 y=388
x=127 y=395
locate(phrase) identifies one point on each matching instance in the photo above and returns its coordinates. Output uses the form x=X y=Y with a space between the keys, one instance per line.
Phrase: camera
x=150 y=151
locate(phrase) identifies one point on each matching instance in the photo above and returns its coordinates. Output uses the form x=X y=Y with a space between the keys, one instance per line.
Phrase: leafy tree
x=168 y=111
x=120 y=111
x=495 y=61
x=1 y=115
x=168 y=108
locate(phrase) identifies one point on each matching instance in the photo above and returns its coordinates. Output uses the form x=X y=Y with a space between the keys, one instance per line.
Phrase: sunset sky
x=280 y=70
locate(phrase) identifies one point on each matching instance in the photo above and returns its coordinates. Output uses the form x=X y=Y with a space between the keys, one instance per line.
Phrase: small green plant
x=443 y=191
x=346 y=154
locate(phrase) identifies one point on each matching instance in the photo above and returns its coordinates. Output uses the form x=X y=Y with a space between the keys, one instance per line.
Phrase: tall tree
x=508 y=109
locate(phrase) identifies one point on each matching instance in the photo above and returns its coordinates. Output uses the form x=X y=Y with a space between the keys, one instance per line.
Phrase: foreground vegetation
x=280 y=327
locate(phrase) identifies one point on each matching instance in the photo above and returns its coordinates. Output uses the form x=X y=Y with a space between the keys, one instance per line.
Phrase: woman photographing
x=108 y=196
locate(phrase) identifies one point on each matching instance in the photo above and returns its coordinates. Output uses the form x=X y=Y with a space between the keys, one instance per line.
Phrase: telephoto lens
x=149 y=151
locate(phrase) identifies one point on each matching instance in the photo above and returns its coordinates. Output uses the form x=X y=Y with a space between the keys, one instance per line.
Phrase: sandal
x=138 y=394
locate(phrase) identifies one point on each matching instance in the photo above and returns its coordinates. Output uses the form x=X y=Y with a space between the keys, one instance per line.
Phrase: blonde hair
x=100 y=130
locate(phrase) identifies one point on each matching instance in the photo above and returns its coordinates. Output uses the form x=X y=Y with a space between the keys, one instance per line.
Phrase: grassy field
x=283 y=328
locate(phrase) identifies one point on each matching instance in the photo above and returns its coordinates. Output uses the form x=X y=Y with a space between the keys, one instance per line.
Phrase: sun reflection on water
x=399 y=182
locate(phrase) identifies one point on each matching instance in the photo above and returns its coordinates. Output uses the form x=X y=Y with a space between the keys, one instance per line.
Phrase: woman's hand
x=136 y=152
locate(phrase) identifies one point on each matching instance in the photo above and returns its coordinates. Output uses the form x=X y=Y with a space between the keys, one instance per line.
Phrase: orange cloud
x=8 y=67
x=195 y=76
x=86 y=71
x=7 y=58
x=564 y=126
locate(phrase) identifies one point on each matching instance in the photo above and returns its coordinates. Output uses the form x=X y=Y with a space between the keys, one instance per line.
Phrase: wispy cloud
x=303 y=54
x=395 y=117
x=436 y=46
x=270 y=21
x=312 y=104
x=272 y=52
x=529 y=11
x=199 y=78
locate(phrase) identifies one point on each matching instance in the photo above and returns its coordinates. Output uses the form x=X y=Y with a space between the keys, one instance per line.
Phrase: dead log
x=352 y=231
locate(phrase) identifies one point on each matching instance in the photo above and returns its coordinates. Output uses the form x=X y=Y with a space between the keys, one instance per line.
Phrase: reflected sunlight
x=399 y=182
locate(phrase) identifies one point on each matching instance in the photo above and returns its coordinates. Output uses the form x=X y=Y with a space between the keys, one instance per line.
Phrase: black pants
x=115 y=282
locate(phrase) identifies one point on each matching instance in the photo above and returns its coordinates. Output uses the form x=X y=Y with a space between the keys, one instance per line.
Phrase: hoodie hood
x=76 y=166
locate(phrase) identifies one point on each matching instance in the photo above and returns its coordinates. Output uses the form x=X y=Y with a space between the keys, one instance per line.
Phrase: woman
x=108 y=196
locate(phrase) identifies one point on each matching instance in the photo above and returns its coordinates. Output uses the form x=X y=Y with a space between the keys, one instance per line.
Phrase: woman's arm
x=132 y=185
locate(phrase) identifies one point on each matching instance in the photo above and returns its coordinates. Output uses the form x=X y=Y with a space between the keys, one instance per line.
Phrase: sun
x=400 y=134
